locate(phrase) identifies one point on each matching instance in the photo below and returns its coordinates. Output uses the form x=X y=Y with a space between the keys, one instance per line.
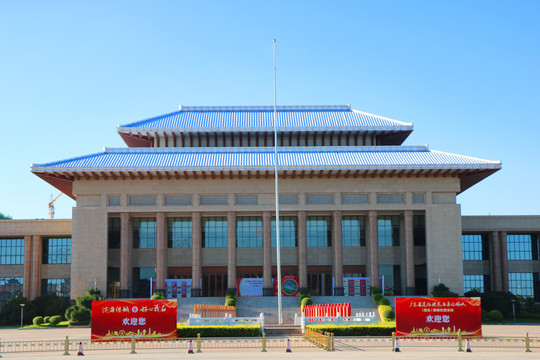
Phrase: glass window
x=114 y=233
x=11 y=251
x=353 y=230
x=249 y=231
x=57 y=251
x=141 y=281
x=475 y=247
x=473 y=282
x=519 y=247
x=10 y=287
x=419 y=230
x=521 y=284
x=319 y=231
x=144 y=233
x=58 y=287
x=287 y=231
x=180 y=232
x=139 y=200
x=388 y=230
x=214 y=232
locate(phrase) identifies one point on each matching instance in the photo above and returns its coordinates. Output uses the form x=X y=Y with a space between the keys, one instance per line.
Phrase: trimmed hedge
x=306 y=301
x=38 y=320
x=55 y=320
x=493 y=315
x=219 y=331
x=376 y=290
x=377 y=298
x=357 y=330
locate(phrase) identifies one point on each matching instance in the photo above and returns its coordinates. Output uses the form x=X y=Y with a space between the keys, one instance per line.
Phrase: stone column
x=125 y=254
x=37 y=244
x=409 y=253
x=27 y=280
x=504 y=261
x=338 y=252
x=231 y=250
x=196 y=244
x=302 y=250
x=161 y=251
x=268 y=287
x=373 y=249
x=496 y=261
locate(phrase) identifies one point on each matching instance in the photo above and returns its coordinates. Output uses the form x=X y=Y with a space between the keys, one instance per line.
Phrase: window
x=522 y=247
x=138 y=200
x=11 y=251
x=179 y=233
x=419 y=230
x=319 y=231
x=141 y=281
x=353 y=230
x=213 y=200
x=353 y=199
x=477 y=282
x=418 y=199
x=287 y=231
x=247 y=200
x=114 y=200
x=144 y=233
x=521 y=284
x=10 y=287
x=475 y=246
x=319 y=199
x=249 y=231
x=390 y=198
x=388 y=230
x=58 y=287
x=114 y=233
x=288 y=200
x=177 y=200
x=56 y=251
x=214 y=232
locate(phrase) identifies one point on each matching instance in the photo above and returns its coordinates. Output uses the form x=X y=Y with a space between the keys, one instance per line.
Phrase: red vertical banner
x=144 y=319
x=363 y=287
x=438 y=317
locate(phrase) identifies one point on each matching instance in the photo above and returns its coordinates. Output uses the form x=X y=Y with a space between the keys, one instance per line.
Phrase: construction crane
x=51 y=205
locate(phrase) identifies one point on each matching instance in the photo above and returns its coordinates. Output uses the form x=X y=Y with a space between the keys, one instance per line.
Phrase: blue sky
x=465 y=73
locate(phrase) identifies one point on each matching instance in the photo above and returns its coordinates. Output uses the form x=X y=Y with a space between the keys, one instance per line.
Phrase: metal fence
x=339 y=343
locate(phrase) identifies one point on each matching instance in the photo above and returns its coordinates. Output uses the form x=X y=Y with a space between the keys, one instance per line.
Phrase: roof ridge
x=267 y=108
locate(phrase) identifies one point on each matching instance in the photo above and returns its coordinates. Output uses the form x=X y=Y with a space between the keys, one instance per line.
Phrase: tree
x=5 y=217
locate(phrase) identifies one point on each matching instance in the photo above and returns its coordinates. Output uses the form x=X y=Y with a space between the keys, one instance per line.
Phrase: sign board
x=174 y=288
x=145 y=319
x=249 y=287
x=289 y=285
x=438 y=317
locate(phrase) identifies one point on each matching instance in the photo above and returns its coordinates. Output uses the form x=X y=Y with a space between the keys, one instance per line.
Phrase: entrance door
x=214 y=282
x=320 y=283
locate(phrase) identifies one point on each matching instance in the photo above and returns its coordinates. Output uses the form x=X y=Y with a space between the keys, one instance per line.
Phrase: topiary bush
x=442 y=290
x=495 y=315
x=230 y=302
x=307 y=301
x=384 y=301
x=38 y=320
x=389 y=314
x=158 y=296
x=46 y=319
x=55 y=320
x=376 y=290
x=377 y=298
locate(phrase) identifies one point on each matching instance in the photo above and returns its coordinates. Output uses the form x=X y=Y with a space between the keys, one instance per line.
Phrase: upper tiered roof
x=189 y=120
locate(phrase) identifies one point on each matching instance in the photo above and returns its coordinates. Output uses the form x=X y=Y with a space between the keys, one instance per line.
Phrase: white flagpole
x=278 y=255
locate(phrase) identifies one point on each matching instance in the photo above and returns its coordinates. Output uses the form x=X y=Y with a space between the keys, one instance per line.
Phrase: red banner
x=438 y=317
x=145 y=319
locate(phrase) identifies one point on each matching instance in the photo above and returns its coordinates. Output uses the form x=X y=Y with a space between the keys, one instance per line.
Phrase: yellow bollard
x=328 y=346
x=199 y=343
x=66 y=346
x=264 y=343
x=527 y=343
x=332 y=342
x=133 y=345
x=393 y=341
x=459 y=342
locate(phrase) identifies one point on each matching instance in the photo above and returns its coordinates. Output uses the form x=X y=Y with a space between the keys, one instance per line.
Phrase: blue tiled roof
x=293 y=158
x=261 y=118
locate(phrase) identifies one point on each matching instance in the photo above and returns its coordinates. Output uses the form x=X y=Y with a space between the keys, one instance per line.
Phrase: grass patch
x=47 y=325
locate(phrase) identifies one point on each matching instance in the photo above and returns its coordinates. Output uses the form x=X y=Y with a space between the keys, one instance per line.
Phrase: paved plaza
x=342 y=351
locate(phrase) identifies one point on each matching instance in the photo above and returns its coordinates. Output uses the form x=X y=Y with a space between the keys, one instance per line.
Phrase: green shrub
x=231 y=294
x=10 y=314
x=384 y=301
x=357 y=330
x=158 y=296
x=55 y=320
x=86 y=301
x=219 y=331
x=230 y=302
x=303 y=291
x=376 y=290
x=47 y=319
x=94 y=292
x=69 y=310
x=307 y=301
x=377 y=298
x=485 y=315
x=38 y=320
x=495 y=315
x=442 y=290
x=49 y=305
x=389 y=314
x=498 y=300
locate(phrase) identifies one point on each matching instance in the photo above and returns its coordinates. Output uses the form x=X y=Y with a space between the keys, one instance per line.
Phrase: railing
x=197 y=320
x=360 y=319
x=343 y=309
x=324 y=340
x=214 y=311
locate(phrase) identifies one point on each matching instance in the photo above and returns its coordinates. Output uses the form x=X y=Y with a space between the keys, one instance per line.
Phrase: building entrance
x=214 y=281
